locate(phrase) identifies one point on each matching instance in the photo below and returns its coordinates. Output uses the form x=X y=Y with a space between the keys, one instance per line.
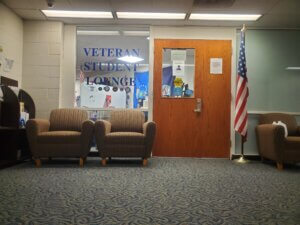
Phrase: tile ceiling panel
x=242 y=6
x=25 y=4
x=287 y=7
x=33 y=14
x=96 y=5
x=152 y=5
x=35 y=4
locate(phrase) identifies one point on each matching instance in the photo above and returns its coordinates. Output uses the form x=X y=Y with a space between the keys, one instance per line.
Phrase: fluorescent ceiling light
x=293 y=68
x=230 y=17
x=136 y=33
x=130 y=59
x=145 y=15
x=98 y=32
x=78 y=14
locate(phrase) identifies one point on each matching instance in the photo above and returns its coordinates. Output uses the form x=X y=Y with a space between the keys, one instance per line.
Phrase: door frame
x=205 y=33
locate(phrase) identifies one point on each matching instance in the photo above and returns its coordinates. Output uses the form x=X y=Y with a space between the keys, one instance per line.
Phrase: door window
x=178 y=73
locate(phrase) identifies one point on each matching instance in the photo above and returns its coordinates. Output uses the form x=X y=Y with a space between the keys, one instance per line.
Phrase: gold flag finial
x=244 y=28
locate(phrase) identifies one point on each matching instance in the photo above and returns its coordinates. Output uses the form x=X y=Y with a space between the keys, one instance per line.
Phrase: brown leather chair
x=68 y=134
x=125 y=135
x=272 y=144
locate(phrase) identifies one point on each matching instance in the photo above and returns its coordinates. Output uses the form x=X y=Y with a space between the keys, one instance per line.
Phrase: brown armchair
x=68 y=134
x=125 y=135
x=272 y=144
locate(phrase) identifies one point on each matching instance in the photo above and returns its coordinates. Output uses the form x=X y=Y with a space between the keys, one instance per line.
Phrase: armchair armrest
x=87 y=131
x=102 y=128
x=33 y=128
x=149 y=130
x=298 y=130
x=36 y=126
x=270 y=139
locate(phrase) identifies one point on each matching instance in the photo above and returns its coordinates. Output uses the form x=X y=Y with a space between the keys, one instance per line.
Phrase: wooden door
x=182 y=132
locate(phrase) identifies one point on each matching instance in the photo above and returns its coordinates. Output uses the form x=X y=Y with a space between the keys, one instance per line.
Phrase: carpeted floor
x=168 y=191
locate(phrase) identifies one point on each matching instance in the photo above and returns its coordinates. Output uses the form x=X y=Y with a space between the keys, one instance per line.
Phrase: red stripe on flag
x=240 y=91
x=239 y=113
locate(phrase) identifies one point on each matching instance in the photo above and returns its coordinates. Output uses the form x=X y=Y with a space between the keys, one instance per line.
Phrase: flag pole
x=242 y=159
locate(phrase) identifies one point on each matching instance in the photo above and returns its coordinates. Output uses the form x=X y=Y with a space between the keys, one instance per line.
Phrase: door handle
x=198 y=106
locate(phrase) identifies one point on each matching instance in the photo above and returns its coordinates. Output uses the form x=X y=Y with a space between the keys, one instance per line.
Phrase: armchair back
x=289 y=120
x=130 y=120
x=67 y=119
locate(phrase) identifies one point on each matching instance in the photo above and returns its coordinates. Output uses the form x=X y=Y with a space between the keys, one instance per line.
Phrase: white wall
x=68 y=75
x=207 y=33
x=41 y=65
x=11 y=41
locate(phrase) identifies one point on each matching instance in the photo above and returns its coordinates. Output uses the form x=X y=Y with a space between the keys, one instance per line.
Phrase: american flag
x=242 y=92
x=81 y=76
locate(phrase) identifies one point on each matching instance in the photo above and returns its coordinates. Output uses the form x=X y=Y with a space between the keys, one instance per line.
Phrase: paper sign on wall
x=8 y=64
x=216 y=66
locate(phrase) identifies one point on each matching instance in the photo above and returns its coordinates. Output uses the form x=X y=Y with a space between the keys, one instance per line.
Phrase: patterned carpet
x=169 y=191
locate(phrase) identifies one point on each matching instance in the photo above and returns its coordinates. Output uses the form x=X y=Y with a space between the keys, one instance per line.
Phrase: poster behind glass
x=178 y=73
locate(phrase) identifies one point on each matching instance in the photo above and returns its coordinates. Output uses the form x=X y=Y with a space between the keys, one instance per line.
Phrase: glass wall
x=112 y=68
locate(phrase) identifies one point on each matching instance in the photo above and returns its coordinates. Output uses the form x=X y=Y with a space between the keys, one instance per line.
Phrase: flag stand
x=242 y=158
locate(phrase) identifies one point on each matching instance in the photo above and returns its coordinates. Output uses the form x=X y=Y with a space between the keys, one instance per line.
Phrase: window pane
x=111 y=71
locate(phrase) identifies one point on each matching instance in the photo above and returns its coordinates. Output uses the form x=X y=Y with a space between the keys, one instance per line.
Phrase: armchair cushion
x=59 y=137
x=125 y=138
x=292 y=143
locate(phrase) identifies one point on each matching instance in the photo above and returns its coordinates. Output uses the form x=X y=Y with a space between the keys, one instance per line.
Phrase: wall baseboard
x=234 y=156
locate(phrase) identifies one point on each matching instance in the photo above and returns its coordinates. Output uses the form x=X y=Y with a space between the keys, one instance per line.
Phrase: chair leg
x=145 y=162
x=81 y=162
x=279 y=165
x=103 y=161
x=38 y=163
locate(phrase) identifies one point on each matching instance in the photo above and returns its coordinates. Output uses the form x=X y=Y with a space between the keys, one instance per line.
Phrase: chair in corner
x=125 y=135
x=271 y=140
x=68 y=133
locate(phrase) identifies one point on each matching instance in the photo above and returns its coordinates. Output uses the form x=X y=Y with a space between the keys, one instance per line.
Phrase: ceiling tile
x=287 y=7
x=30 y=14
x=95 y=5
x=152 y=5
x=240 y=6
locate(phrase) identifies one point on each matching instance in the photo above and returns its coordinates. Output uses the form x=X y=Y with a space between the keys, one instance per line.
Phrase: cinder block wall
x=41 y=64
x=11 y=42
